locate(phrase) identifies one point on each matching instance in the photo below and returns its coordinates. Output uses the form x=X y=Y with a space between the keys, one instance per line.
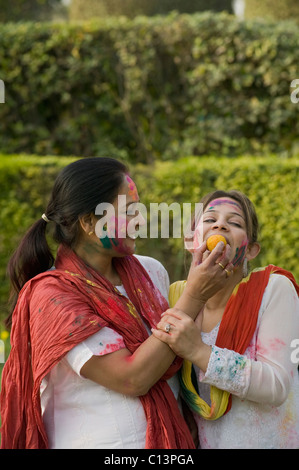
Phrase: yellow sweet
x=213 y=240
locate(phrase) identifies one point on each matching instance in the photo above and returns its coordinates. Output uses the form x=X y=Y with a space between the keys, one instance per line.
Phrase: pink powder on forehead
x=217 y=202
x=132 y=188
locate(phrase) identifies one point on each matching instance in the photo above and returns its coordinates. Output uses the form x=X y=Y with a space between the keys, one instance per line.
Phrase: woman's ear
x=87 y=223
x=253 y=250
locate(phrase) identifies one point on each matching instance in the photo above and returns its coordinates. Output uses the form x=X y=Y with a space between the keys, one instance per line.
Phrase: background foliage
x=78 y=10
x=278 y=10
x=150 y=89
x=30 y=10
x=271 y=183
x=87 y=9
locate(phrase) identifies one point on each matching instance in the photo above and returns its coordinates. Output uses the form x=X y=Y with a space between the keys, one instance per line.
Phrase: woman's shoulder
x=280 y=281
x=157 y=273
x=280 y=292
x=150 y=263
x=51 y=283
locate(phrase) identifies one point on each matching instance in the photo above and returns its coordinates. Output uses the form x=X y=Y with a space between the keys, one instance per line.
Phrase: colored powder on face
x=116 y=227
x=107 y=242
x=240 y=253
x=132 y=188
x=123 y=249
x=197 y=240
x=121 y=234
x=217 y=202
x=117 y=245
x=115 y=235
x=121 y=225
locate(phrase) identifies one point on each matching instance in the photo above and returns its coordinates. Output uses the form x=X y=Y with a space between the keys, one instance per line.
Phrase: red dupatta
x=60 y=308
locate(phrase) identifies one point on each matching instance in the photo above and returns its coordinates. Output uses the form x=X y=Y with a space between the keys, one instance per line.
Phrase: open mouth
x=220 y=235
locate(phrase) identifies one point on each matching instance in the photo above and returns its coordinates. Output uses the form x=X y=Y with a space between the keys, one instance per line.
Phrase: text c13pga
x=295 y=352
x=294 y=97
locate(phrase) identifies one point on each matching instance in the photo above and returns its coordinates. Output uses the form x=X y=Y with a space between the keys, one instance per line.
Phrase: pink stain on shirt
x=112 y=347
x=274 y=344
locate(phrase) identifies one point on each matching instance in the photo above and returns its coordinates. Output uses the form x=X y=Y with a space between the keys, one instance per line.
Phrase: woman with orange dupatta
x=84 y=370
x=240 y=373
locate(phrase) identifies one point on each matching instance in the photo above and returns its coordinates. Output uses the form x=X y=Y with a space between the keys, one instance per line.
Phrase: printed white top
x=264 y=381
x=80 y=414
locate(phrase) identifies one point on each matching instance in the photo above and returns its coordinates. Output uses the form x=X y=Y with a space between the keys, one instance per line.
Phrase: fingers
x=179 y=332
x=162 y=336
x=207 y=278
x=198 y=254
x=174 y=319
x=165 y=329
x=220 y=253
x=225 y=262
x=170 y=320
x=221 y=256
x=174 y=312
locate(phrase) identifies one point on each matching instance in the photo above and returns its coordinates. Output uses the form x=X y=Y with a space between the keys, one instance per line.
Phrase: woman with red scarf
x=84 y=370
x=241 y=345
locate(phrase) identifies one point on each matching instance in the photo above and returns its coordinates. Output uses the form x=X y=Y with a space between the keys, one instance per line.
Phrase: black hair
x=77 y=191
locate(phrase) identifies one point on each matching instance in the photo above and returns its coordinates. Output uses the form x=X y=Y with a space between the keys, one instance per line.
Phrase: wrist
x=201 y=356
x=190 y=304
x=195 y=296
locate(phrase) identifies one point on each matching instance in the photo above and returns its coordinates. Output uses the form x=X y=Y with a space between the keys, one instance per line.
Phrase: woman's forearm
x=130 y=374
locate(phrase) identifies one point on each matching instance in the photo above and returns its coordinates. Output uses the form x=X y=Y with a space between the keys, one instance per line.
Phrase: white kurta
x=264 y=381
x=81 y=414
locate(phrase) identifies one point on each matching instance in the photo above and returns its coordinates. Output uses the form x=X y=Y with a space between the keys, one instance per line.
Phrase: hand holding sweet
x=208 y=274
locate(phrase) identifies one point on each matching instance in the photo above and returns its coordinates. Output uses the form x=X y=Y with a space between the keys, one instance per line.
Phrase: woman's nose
x=220 y=225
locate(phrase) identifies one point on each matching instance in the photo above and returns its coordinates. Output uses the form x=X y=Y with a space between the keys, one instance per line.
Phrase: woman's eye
x=209 y=220
x=236 y=224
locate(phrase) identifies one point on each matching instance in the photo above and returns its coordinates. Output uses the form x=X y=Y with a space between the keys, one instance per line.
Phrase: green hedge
x=87 y=9
x=149 y=88
x=278 y=10
x=271 y=183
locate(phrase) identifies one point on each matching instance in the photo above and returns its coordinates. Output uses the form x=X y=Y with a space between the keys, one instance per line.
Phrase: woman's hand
x=206 y=276
x=183 y=336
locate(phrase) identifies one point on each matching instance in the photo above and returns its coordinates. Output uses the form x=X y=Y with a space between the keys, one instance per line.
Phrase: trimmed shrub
x=278 y=10
x=29 y=10
x=150 y=88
